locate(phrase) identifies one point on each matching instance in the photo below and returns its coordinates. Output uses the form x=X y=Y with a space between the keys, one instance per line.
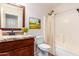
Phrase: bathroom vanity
x=17 y=46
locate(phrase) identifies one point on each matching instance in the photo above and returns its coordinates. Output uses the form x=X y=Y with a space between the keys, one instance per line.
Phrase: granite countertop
x=14 y=37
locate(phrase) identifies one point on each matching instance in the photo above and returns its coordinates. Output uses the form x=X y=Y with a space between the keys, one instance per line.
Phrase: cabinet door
x=25 y=51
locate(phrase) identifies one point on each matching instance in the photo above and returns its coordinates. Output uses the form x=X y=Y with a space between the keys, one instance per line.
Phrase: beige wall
x=37 y=11
x=66 y=29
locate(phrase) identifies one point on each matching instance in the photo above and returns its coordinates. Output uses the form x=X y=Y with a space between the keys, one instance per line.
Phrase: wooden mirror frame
x=23 y=18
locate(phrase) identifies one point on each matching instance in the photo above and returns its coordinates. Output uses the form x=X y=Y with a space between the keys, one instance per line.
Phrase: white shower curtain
x=49 y=31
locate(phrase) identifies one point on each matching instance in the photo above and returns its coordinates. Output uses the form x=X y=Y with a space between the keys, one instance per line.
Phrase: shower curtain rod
x=65 y=11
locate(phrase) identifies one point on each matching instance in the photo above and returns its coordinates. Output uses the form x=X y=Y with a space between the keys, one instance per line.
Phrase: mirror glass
x=11 y=21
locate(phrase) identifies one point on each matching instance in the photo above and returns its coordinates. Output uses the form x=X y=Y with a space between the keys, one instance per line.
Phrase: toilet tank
x=39 y=40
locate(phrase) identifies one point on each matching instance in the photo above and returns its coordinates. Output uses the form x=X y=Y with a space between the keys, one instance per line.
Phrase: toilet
x=42 y=46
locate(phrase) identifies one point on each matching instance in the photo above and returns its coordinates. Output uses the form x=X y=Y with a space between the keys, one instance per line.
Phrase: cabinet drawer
x=25 y=51
x=24 y=43
x=6 y=46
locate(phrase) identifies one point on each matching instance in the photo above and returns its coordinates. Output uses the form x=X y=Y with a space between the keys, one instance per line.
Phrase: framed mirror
x=12 y=17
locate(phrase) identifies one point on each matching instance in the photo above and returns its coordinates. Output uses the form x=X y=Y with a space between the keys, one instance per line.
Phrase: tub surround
x=17 y=45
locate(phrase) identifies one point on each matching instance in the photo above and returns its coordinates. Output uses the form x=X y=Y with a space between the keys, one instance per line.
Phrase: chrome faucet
x=12 y=33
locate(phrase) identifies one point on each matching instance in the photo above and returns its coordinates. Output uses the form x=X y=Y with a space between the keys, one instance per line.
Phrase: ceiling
x=44 y=6
x=53 y=5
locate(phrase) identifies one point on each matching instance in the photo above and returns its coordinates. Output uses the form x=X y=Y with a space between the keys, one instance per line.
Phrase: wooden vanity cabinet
x=24 y=47
x=26 y=51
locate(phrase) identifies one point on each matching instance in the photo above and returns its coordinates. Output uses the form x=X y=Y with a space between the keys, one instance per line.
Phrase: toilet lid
x=44 y=46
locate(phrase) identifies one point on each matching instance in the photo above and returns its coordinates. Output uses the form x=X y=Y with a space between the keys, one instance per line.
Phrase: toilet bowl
x=44 y=48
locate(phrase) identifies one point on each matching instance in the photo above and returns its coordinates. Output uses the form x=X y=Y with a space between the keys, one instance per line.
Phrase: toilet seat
x=44 y=46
